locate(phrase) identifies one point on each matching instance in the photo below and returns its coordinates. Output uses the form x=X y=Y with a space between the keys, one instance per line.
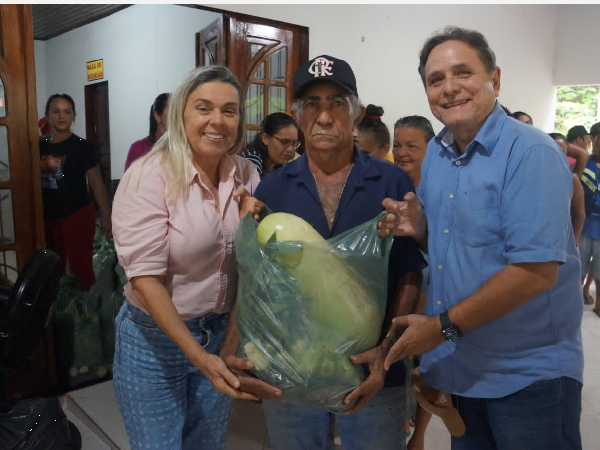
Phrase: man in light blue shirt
x=502 y=330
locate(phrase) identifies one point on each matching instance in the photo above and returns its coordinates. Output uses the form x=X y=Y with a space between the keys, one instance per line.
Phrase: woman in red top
x=158 y=125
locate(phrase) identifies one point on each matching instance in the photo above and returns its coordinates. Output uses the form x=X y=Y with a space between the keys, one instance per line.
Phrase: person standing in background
x=579 y=136
x=158 y=125
x=411 y=135
x=577 y=201
x=68 y=167
x=275 y=145
x=522 y=117
x=589 y=242
x=373 y=134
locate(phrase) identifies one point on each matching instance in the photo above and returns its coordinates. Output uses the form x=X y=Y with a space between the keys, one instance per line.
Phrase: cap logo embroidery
x=443 y=398
x=321 y=67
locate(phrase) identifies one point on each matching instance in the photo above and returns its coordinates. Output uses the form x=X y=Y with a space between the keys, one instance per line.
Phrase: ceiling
x=50 y=21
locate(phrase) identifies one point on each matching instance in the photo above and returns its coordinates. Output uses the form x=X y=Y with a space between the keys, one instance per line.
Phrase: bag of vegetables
x=306 y=304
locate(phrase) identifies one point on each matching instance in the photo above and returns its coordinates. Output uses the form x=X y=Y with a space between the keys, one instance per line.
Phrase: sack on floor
x=78 y=337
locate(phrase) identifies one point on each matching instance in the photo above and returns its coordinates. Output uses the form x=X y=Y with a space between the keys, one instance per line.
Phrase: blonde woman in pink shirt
x=174 y=217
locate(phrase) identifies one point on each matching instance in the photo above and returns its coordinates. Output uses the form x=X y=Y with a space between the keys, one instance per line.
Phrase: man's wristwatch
x=449 y=330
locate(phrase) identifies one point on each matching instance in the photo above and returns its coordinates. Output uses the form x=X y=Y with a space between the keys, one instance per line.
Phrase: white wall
x=40 y=77
x=385 y=62
x=147 y=50
x=577 y=54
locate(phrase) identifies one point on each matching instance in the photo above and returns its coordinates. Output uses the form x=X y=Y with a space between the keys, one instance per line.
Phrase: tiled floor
x=94 y=409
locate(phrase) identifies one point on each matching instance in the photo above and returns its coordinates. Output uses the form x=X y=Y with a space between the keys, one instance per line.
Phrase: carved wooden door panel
x=263 y=55
x=210 y=44
x=262 y=65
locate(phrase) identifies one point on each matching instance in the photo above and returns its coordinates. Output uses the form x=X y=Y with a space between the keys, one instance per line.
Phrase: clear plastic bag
x=303 y=309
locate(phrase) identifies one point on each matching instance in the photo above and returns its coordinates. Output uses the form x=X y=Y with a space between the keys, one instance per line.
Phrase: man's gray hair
x=355 y=105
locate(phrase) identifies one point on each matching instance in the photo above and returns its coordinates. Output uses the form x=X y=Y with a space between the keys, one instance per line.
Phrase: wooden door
x=21 y=216
x=263 y=55
x=97 y=128
x=210 y=44
x=21 y=219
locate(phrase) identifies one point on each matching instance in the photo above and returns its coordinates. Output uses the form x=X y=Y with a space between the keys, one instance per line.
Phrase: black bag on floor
x=37 y=424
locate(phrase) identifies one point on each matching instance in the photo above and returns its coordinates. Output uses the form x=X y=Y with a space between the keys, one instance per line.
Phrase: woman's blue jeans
x=165 y=401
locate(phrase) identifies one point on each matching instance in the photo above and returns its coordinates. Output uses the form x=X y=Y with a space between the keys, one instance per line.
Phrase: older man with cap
x=335 y=187
x=502 y=325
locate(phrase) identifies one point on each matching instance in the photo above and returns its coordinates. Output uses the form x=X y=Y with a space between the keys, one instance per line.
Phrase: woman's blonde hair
x=174 y=145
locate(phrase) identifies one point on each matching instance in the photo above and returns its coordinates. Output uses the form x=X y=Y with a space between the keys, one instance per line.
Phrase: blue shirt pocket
x=477 y=218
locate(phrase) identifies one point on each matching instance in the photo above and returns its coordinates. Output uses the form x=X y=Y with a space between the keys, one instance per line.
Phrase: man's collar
x=363 y=168
x=486 y=137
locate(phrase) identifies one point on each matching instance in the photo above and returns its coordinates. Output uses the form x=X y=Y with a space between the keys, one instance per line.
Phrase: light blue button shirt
x=506 y=200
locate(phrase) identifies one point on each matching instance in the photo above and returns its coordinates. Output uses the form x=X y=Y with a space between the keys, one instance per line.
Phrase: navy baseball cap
x=324 y=68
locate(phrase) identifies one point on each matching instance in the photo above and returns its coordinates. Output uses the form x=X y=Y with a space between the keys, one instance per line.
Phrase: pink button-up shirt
x=186 y=241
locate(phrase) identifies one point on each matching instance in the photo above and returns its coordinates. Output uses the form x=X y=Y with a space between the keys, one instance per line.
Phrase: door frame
x=91 y=133
x=23 y=136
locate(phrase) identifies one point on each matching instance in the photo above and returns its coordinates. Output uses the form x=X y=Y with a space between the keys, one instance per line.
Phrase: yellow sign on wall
x=95 y=70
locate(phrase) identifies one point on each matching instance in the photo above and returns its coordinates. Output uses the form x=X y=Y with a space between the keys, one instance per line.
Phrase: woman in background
x=158 y=125
x=411 y=135
x=275 y=145
x=577 y=199
x=523 y=117
x=176 y=212
x=69 y=166
x=373 y=134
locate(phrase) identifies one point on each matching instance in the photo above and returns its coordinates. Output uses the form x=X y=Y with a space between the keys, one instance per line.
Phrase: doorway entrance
x=97 y=128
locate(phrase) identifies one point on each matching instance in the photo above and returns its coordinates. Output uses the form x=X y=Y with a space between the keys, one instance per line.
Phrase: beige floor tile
x=437 y=436
x=247 y=429
x=88 y=439
x=105 y=414
x=100 y=391
x=590 y=435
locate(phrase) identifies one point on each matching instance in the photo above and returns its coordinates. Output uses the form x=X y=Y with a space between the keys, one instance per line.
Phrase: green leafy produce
x=338 y=298
x=305 y=305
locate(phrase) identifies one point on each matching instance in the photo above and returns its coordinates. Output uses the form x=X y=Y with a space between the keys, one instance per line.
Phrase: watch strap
x=445 y=320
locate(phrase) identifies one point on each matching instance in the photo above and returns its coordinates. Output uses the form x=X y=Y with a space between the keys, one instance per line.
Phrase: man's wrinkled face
x=326 y=117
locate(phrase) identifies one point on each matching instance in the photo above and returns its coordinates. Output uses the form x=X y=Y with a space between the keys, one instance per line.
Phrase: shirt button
x=446 y=231
x=458 y=163
x=451 y=196
x=440 y=267
x=439 y=302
